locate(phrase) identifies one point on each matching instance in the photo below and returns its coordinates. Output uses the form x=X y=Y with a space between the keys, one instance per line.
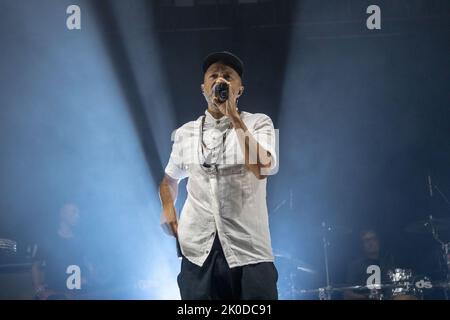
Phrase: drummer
x=357 y=273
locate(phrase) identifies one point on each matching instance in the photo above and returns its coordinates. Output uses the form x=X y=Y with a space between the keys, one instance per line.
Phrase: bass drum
x=403 y=285
x=419 y=287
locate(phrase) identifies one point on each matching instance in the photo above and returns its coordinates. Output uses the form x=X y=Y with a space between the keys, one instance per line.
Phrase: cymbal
x=425 y=226
x=297 y=263
x=356 y=287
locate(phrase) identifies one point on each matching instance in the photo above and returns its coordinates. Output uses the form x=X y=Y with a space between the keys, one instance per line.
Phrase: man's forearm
x=255 y=156
x=168 y=190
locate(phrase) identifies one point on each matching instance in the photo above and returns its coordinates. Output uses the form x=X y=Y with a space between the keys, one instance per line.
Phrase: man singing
x=223 y=231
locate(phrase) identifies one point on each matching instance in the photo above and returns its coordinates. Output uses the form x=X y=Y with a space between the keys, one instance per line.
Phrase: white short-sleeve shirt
x=223 y=197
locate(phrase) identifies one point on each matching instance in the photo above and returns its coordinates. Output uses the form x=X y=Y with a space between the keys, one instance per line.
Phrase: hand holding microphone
x=225 y=99
x=221 y=91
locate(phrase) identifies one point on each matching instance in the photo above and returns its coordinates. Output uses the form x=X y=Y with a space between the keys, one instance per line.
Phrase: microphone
x=430 y=186
x=221 y=91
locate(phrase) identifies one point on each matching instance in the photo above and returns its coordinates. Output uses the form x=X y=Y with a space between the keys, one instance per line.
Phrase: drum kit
x=402 y=284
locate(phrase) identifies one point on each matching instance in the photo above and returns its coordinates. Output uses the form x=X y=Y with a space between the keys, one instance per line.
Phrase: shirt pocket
x=234 y=192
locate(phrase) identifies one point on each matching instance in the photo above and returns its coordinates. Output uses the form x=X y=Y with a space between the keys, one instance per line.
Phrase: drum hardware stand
x=445 y=247
x=375 y=294
x=292 y=288
x=445 y=252
x=325 y=293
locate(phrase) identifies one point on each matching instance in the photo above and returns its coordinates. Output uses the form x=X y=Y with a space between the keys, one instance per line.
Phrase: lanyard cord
x=203 y=164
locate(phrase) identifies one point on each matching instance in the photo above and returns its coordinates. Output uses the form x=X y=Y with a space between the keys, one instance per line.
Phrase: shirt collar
x=209 y=119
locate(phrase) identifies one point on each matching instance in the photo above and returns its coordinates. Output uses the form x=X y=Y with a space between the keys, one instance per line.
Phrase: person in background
x=55 y=259
x=372 y=255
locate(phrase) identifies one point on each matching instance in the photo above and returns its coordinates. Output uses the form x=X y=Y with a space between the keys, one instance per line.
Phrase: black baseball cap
x=227 y=58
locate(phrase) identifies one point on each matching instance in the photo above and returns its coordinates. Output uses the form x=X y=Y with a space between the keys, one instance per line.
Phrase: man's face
x=218 y=72
x=370 y=242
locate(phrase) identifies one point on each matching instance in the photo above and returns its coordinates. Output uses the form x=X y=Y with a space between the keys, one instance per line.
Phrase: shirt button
x=207 y=251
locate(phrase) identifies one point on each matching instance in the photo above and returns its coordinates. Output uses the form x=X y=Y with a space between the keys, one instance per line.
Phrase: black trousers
x=215 y=280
